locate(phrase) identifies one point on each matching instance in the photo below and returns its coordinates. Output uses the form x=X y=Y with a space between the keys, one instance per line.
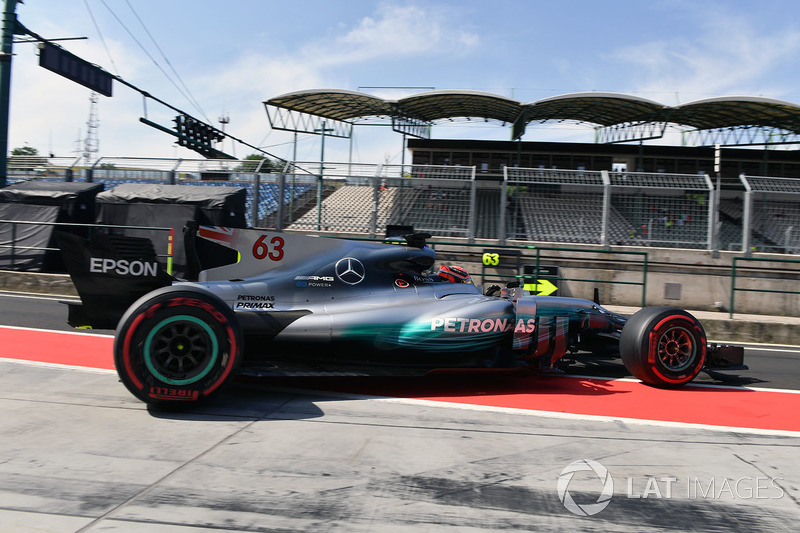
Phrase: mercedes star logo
x=350 y=270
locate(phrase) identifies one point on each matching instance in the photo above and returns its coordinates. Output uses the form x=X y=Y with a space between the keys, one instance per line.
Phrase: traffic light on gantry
x=196 y=135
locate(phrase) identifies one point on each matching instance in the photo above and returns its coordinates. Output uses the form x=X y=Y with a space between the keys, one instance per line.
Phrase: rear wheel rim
x=180 y=350
x=676 y=349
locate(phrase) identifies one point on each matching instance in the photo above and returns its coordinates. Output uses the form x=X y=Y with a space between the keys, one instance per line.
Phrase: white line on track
x=760 y=345
x=544 y=414
x=59 y=331
x=57 y=365
x=37 y=296
x=690 y=385
x=486 y=408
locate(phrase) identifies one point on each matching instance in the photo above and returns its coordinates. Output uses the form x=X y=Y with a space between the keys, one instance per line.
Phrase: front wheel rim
x=676 y=349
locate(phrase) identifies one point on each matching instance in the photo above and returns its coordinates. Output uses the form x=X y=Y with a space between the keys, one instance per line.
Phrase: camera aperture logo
x=587 y=478
x=604 y=480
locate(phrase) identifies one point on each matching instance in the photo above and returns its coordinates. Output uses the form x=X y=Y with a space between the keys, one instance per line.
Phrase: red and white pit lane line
x=730 y=408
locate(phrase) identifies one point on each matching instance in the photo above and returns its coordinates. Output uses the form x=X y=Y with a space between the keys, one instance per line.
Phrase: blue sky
x=231 y=56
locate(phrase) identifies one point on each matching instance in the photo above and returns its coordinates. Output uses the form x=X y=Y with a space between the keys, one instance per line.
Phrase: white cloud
x=727 y=56
x=392 y=32
x=395 y=31
x=50 y=112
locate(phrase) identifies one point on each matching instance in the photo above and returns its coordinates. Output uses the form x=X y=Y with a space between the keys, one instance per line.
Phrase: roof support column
x=606 y=207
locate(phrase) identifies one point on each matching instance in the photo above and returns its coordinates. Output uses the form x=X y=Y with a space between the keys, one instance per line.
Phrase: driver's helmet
x=454 y=274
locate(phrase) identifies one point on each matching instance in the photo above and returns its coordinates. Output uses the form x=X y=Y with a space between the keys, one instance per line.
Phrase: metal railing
x=601 y=207
x=14 y=247
x=643 y=255
x=790 y=272
x=770 y=214
x=529 y=204
x=359 y=198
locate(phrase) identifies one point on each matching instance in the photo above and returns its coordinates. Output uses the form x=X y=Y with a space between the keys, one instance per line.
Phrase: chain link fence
x=28 y=167
x=260 y=184
x=600 y=207
x=665 y=210
x=555 y=205
x=770 y=214
x=360 y=198
x=529 y=204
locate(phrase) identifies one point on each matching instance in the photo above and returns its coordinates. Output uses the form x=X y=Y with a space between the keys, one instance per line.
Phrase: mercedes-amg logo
x=350 y=270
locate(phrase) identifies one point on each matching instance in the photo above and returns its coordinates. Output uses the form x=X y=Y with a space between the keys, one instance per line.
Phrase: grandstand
x=664 y=220
x=569 y=217
x=444 y=210
x=528 y=205
x=488 y=214
x=348 y=209
x=776 y=225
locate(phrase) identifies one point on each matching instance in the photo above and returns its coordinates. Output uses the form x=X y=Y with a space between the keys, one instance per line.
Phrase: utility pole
x=91 y=144
x=223 y=119
x=9 y=28
x=322 y=132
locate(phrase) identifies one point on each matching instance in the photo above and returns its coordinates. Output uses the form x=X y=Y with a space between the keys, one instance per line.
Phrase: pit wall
x=690 y=279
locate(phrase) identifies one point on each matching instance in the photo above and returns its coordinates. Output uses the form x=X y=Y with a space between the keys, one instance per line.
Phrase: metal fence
x=672 y=210
x=770 y=214
x=601 y=207
x=528 y=204
x=361 y=198
x=556 y=205
x=259 y=183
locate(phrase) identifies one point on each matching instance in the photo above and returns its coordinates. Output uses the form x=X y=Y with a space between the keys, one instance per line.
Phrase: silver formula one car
x=296 y=303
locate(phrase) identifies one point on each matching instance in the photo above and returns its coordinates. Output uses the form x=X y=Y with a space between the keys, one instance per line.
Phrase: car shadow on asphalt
x=296 y=397
x=244 y=400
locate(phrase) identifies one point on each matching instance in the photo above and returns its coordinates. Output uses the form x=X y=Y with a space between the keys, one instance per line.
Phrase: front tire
x=177 y=346
x=663 y=346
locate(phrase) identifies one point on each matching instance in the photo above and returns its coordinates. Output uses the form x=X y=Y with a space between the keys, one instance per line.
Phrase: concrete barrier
x=719 y=327
x=36 y=282
x=744 y=328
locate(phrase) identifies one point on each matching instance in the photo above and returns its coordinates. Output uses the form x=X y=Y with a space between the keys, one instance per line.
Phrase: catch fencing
x=361 y=198
x=610 y=208
x=526 y=205
x=770 y=214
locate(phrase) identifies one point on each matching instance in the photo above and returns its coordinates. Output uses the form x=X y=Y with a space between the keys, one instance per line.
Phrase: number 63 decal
x=491 y=259
x=273 y=250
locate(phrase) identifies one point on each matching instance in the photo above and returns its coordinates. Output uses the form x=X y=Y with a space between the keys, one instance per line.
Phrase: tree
x=26 y=158
x=25 y=150
x=268 y=164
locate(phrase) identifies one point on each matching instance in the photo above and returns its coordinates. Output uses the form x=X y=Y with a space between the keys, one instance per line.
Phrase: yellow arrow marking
x=543 y=288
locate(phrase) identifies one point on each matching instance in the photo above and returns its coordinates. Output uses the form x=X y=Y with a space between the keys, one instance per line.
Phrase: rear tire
x=176 y=346
x=663 y=346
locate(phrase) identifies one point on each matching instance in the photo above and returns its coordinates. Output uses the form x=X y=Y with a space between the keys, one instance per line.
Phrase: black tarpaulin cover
x=49 y=192
x=171 y=206
x=22 y=245
x=210 y=197
x=43 y=201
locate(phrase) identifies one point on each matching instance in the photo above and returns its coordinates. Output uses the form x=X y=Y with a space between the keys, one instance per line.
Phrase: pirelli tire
x=177 y=346
x=663 y=346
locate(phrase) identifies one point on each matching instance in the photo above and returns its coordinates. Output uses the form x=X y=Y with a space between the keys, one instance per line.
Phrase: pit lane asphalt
x=79 y=453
